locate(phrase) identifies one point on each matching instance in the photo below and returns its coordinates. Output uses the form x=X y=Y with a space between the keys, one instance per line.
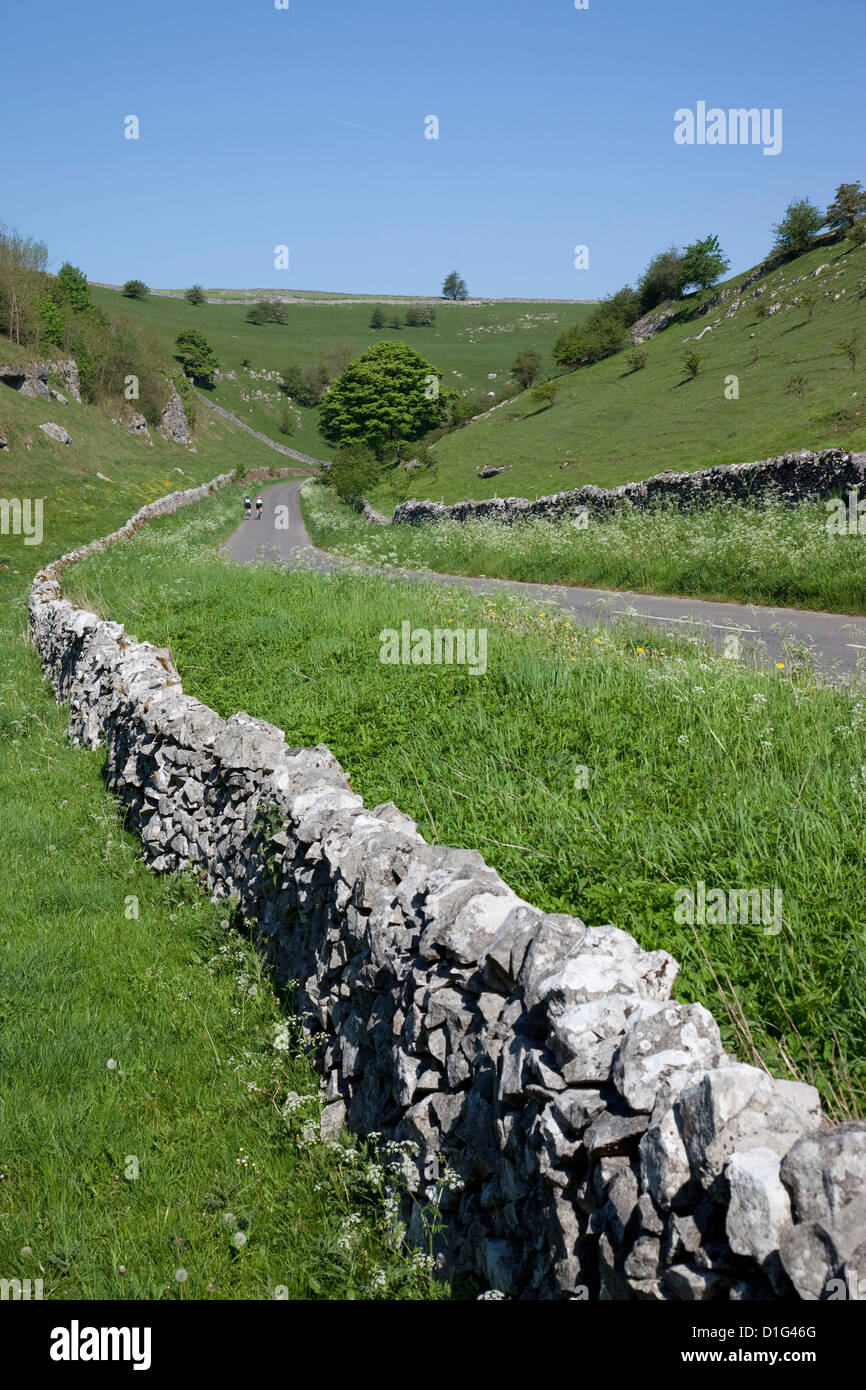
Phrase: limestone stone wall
x=793 y=477
x=589 y=1135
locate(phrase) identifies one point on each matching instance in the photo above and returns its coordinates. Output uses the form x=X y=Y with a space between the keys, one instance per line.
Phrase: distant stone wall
x=792 y=477
x=606 y=1145
x=280 y=448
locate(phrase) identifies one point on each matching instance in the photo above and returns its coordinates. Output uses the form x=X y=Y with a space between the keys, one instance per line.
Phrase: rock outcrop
x=174 y=424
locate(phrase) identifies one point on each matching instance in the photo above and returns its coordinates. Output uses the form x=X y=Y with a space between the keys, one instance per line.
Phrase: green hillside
x=614 y=424
x=473 y=345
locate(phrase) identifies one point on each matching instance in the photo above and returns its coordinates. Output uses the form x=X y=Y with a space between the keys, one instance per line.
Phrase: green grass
x=105 y=962
x=467 y=343
x=776 y=555
x=615 y=425
x=698 y=768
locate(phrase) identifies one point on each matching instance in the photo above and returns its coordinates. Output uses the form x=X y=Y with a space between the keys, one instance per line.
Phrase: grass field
x=614 y=425
x=469 y=344
x=152 y=1144
x=697 y=768
x=775 y=555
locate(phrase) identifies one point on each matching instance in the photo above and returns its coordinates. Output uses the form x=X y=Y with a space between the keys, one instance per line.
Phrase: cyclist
x=259 y=505
x=248 y=508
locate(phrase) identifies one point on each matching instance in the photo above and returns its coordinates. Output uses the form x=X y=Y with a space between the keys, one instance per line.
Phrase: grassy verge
x=774 y=555
x=157 y=1111
x=696 y=768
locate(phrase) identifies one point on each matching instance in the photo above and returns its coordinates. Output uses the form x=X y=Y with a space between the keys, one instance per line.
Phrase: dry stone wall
x=605 y=1144
x=792 y=477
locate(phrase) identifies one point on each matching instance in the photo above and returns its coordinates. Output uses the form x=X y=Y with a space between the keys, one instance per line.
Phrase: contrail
x=369 y=129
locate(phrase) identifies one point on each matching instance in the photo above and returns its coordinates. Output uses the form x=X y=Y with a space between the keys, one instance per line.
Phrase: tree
x=72 y=288
x=850 y=347
x=703 y=263
x=136 y=289
x=267 y=311
x=858 y=232
x=692 y=362
x=195 y=295
x=377 y=318
x=198 y=357
x=799 y=227
x=525 y=368
x=661 y=280
x=389 y=393
x=545 y=392
x=305 y=385
x=419 y=315
x=454 y=286
x=22 y=280
x=848 y=204
x=637 y=360
x=355 y=468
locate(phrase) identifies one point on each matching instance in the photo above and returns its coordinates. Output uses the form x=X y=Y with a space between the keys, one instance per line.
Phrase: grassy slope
x=775 y=555
x=616 y=425
x=699 y=768
x=474 y=341
x=177 y=1002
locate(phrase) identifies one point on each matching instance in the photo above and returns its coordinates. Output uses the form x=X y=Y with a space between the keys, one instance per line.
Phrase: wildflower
x=181 y=1276
x=239 y=1240
x=683 y=739
x=780 y=665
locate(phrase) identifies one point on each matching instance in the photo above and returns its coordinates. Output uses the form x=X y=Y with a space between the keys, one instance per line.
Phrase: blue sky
x=556 y=129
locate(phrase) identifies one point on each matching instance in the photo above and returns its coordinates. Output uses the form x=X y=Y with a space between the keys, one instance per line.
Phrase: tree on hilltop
x=703 y=263
x=848 y=204
x=135 y=289
x=195 y=295
x=454 y=286
x=799 y=227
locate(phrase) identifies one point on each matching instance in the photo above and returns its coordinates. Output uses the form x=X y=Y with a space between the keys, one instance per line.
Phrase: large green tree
x=73 y=289
x=198 y=357
x=703 y=263
x=454 y=286
x=388 y=394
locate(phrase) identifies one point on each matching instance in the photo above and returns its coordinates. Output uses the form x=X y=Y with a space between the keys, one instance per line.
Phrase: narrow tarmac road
x=836 y=641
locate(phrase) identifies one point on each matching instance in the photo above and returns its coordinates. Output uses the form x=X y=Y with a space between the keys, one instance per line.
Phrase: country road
x=837 y=641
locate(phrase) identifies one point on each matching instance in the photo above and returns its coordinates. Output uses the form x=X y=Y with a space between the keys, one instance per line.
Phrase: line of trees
x=39 y=310
x=417 y=316
x=673 y=273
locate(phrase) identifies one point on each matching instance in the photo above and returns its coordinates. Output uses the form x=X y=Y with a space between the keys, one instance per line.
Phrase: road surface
x=836 y=641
